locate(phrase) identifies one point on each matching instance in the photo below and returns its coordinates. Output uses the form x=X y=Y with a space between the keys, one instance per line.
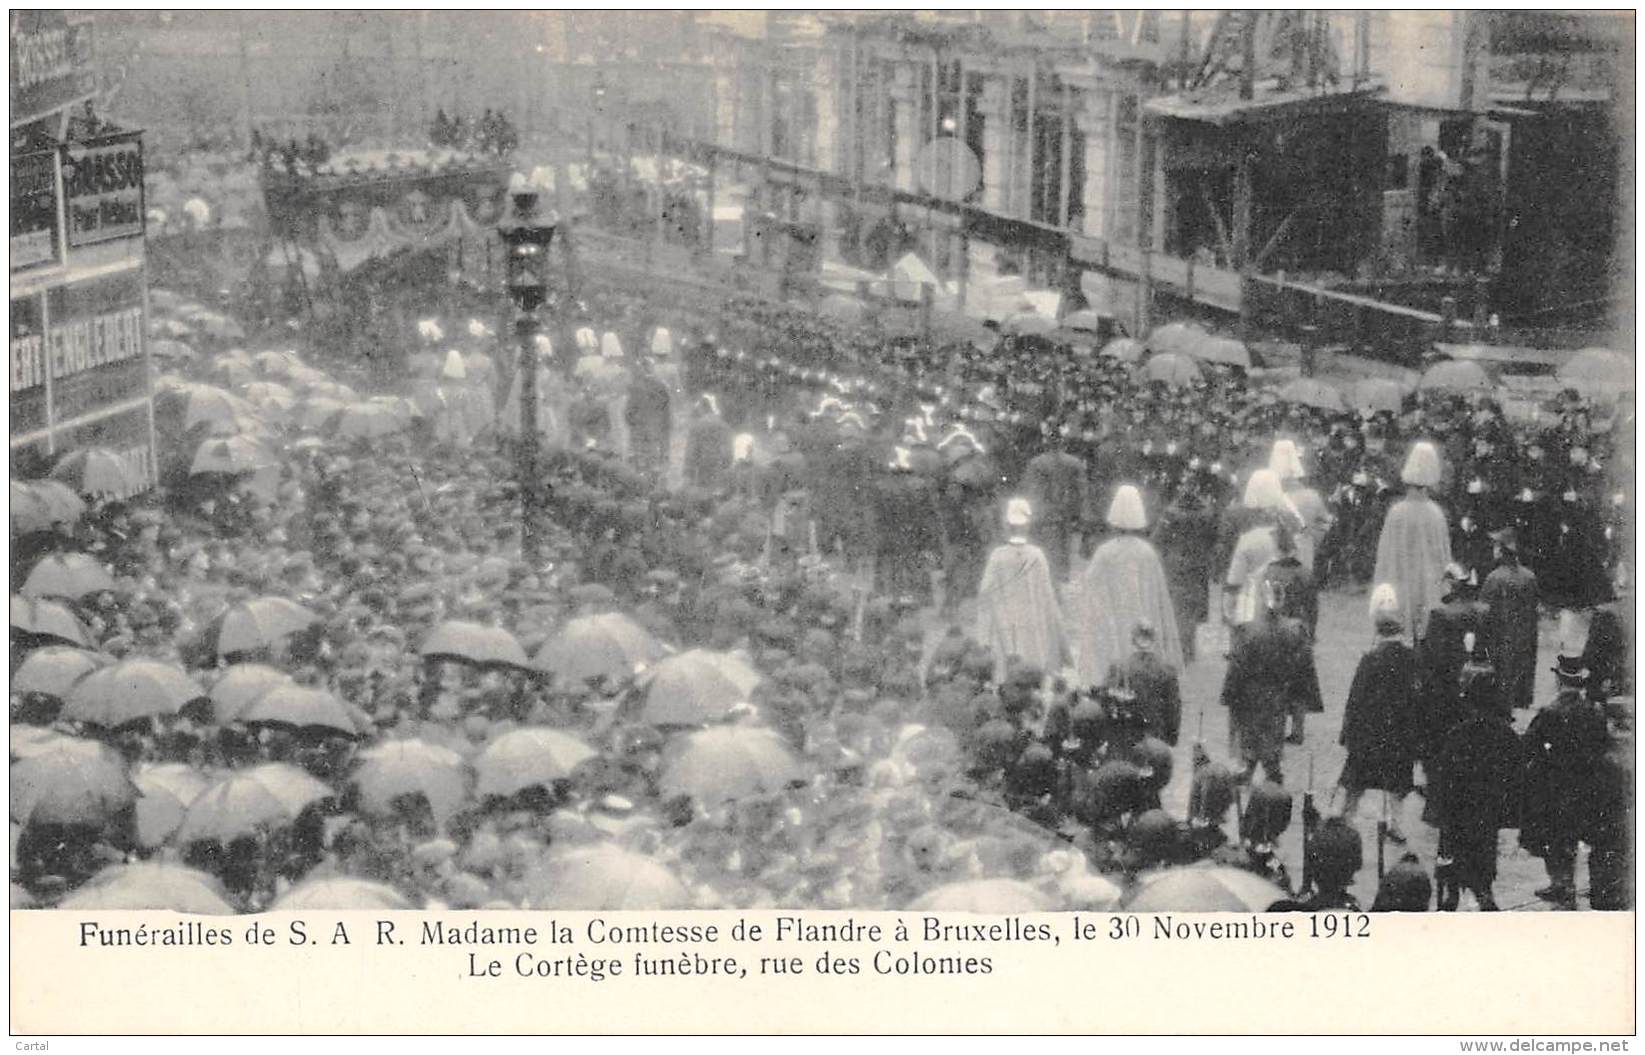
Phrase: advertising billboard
x=103 y=189
x=34 y=238
x=51 y=67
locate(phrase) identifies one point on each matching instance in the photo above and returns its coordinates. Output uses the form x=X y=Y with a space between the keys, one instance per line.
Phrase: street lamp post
x=526 y=237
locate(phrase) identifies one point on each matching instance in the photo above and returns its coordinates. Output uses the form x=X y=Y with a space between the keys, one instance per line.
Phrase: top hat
x=1570 y=668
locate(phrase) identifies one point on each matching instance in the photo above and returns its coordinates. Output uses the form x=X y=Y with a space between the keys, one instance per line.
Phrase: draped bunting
x=384 y=235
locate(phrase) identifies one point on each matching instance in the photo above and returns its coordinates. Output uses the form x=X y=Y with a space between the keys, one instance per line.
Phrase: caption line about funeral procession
x=734 y=948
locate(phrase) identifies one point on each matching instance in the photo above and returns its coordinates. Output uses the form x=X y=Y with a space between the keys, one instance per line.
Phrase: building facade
x=1221 y=161
x=80 y=373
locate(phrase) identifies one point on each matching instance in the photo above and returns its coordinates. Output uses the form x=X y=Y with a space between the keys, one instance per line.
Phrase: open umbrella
x=41 y=505
x=26 y=740
x=170 y=328
x=54 y=670
x=269 y=795
x=219 y=326
x=1174 y=369
x=151 y=886
x=1124 y=349
x=842 y=309
x=1203 y=888
x=690 y=689
x=233 y=455
x=527 y=757
x=368 y=421
x=403 y=408
x=261 y=391
x=1372 y=394
x=28 y=512
x=1598 y=373
x=1224 y=350
x=168 y=348
x=1027 y=324
x=316 y=411
x=255 y=624
x=1456 y=375
x=305 y=708
x=166 y=792
x=223 y=412
x=1178 y=337
x=608 y=645
x=603 y=878
x=67 y=575
x=277 y=364
x=1084 y=321
x=98 y=473
x=474 y=643
x=412 y=767
x=47 y=620
x=60 y=500
x=241 y=685
x=67 y=780
x=984 y=895
x=233 y=371
x=328 y=389
x=340 y=893
x=730 y=762
x=1598 y=364
x=740 y=674
x=130 y=690
x=1311 y=392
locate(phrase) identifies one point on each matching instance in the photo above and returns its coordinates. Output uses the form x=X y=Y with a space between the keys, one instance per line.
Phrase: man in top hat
x=1270 y=677
x=1473 y=776
x=1291 y=585
x=1471 y=542
x=1415 y=544
x=843 y=502
x=1123 y=585
x=650 y=428
x=1054 y=481
x=1440 y=653
x=1017 y=610
x=1380 y=719
x=906 y=502
x=708 y=447
x=1563 y=746
x=970 y=489
x=1185 y=536
x=1156 y=697
x=1508 y=627
x=667 y=369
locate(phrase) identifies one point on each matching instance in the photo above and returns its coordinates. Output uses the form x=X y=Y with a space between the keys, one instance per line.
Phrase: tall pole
x=1065 y=171
x=526 y=240
x=1028 y=160
x=245 y=82
x=933 y=129
x=526 y=328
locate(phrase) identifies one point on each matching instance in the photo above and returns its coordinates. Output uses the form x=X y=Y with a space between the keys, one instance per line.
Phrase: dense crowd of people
x=820 y=619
